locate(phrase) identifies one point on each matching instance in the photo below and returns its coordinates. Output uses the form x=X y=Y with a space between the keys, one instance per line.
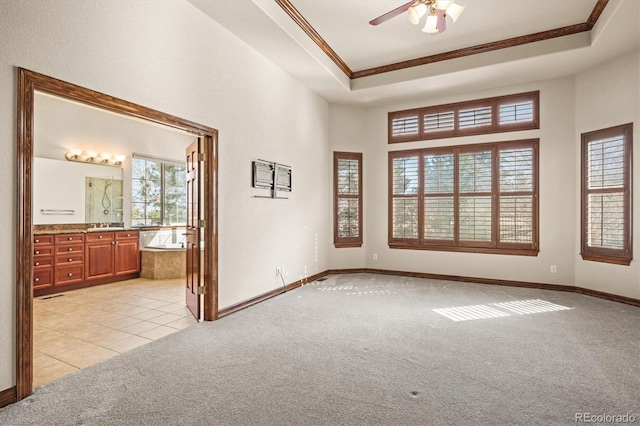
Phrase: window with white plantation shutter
x=606 y=198
x=481 y=116
x=475 y=186
x=515 y=112
x=475 y=198
x=407 y=126
x=439 y=121
x=474 y=117
x=439 y=185
x=347 y=179
x=404 y=197
x=517 y=179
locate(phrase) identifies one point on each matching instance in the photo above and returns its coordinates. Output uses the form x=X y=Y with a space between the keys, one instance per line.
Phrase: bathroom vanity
x=65 y=261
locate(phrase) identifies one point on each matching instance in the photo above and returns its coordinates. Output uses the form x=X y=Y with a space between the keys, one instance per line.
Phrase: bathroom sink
x=110 y=228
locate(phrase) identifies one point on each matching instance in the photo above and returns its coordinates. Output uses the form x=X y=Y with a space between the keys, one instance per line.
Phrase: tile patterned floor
x=80 y=328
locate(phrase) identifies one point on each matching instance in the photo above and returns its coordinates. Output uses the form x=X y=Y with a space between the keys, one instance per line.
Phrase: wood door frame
x=28 y=83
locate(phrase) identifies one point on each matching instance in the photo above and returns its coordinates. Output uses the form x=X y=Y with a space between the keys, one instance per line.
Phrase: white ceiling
x=343 y=24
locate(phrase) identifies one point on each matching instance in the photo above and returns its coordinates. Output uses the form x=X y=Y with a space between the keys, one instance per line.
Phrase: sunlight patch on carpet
x=497 y=310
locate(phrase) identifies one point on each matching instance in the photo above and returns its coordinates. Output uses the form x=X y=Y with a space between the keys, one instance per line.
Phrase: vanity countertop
x=78 y=230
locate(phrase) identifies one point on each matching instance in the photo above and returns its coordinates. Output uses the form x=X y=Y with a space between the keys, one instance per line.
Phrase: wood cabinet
x=43 y=247
x=127 y=253
x=68 y=261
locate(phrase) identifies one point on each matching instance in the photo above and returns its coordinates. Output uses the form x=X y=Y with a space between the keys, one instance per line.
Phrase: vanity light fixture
x=94 y=157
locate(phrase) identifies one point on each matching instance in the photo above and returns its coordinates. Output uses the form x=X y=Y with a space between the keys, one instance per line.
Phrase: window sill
x=347 y=245
x=483 y=250
x=606 y=259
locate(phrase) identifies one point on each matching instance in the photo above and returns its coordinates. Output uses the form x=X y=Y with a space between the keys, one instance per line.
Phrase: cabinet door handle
x=70 y=238
x=70 y=249
x=37 y=279
x=99 y=237
x=37 y=251
x=37 y=241
x=112 y=242
x=37 y=263
x=70 y=260
x=128 y=235
x=69 y=274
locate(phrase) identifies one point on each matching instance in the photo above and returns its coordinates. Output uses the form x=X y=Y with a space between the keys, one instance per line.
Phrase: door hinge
x=201 y=289
x=201 y=223
x=201 y=156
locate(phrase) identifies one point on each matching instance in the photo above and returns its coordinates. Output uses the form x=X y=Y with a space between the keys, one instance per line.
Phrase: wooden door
x=193 y=227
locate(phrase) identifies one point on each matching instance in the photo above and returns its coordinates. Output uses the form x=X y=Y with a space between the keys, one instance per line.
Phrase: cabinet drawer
x=42 y=278
x=69 y=274
x=66 y=259
x=95 y=237
x=43 y=251
x=69 y=238
x=68 y=249
x=44 y=240
x=127 y=235
x=43 y=262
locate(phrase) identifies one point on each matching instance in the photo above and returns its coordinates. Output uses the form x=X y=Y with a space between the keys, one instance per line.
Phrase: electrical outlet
x=554 y=269
x=375 y=256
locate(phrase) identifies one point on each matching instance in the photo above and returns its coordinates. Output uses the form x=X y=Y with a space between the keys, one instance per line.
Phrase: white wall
x=606 y=96
x=60 y=185
x=179 y=62
x=557 y=211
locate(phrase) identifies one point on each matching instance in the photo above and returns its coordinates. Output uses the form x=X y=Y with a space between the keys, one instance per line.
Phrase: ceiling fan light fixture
x=416 y=12
x=443 y=4
x=431 y=26
x=454 y=11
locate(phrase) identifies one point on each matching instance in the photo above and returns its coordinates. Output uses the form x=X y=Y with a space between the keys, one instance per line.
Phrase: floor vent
x=51 y=297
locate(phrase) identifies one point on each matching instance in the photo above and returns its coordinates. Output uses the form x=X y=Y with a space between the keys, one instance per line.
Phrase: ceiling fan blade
x=395 y=12
x=442 y=21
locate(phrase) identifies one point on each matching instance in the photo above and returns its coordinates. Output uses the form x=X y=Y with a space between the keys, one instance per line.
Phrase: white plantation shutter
x=348 y=199
x=606 y=194
x=438 y=121
x=439 y=183
x=474 y=117
x=516 y=195
x=405 y=126
x=404 y=190
x=515 y=112
x=475 y=185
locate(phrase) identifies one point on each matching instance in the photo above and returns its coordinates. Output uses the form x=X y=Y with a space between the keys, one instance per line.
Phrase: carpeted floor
x=365 y=350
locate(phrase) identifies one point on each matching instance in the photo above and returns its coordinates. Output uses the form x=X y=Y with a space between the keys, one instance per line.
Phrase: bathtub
x=163 y=261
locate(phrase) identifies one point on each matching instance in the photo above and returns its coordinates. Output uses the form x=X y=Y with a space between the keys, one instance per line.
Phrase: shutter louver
x=475 y=196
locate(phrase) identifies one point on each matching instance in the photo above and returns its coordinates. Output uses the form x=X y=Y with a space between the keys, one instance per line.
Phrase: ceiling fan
x=436 y=11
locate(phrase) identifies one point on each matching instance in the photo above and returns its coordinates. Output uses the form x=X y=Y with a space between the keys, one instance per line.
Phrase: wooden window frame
x=495 y=246
x=494 y=127
x=342 y=242
x=600 y=254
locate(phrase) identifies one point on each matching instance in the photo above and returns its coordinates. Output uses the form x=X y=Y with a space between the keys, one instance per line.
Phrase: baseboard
x=491 y=281
x=509 y=283
x=264 y=296
x=8 y=396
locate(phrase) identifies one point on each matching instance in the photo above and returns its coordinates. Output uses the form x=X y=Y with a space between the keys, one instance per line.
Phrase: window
x=482 y=116
x=159 y=191
x=347 y=194
x=606 y=195
x=473 y=198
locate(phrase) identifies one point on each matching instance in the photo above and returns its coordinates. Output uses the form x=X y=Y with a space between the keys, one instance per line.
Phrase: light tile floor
x=79 y=328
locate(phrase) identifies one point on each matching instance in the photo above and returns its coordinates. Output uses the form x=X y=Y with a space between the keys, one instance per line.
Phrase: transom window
x=476 y=198
x=482 y=116
x=606 y=195
x=159 y=192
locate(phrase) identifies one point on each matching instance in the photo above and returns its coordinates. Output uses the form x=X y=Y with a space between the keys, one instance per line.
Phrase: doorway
x=28 y=83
